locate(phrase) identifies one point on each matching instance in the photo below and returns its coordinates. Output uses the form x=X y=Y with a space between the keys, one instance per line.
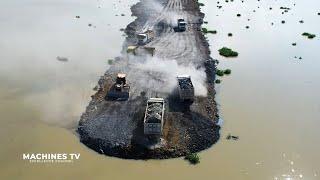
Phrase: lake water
x=271 y=100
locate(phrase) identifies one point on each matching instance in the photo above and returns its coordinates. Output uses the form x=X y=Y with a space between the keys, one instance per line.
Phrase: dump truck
x=120 y=89
x=185 y=88
x=182 y=25
x=141 y=50
x=153 y=118
x=145 y=37
x=132 y=49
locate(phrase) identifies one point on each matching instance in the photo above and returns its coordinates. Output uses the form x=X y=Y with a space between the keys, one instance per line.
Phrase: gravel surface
x=115 y=128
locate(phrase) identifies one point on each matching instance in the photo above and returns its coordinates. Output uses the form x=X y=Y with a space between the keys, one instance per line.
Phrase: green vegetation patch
x=193 y=158
x=227 y=52
x=285 y=8
x=220 y=72
x=110 y=61
x=205 y=30
x=218 y=81
x=227 y=71
x=309 y=35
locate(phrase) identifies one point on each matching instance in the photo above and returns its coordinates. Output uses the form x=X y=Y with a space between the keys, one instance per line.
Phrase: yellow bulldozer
x=120 y=90
x=141 y=50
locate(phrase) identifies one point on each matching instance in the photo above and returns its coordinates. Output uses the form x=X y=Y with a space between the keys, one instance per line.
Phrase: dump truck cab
x=145 y=37
x=120 y=81
x=182 y=25
x=142 y=38
x=120 y=90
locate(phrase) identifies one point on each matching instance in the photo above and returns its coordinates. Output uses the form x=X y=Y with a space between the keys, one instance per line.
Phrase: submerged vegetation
x=309 y=35
x=227 y=52
x=110 y=61
x=193 y=158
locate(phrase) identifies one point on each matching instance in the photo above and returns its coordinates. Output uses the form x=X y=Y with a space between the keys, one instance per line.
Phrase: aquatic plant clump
x=219 y=72
x=309 y=35
x=227 y=71
x=217 y=81
x=193 y=158
x=227 y=52
x=205 y=30
x=200 y=4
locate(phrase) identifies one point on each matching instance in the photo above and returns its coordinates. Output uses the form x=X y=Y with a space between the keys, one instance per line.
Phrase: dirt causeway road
x=115 y=128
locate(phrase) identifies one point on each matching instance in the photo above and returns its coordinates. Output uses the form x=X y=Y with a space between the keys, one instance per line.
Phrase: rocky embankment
x=115 y=128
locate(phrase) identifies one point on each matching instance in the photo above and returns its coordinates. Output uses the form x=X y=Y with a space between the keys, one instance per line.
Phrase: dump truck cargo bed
x=185 y=88
x=153 y=119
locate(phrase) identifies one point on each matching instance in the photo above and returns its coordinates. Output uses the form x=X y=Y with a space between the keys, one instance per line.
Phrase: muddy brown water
x=271 y=100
